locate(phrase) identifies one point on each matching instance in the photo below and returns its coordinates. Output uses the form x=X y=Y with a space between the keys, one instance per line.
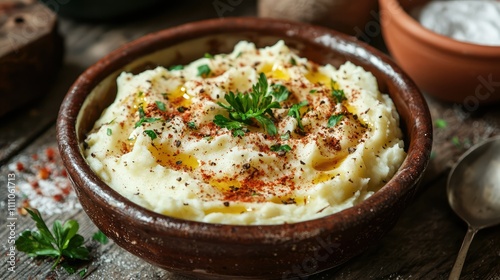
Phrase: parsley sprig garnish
x=295 y=112
x=256 y=105
x=62 y=242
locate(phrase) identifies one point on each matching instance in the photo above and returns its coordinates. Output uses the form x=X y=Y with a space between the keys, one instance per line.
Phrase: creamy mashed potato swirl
x=158 y=145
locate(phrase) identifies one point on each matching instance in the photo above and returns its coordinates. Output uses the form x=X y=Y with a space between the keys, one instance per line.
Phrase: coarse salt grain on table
x=43 y=183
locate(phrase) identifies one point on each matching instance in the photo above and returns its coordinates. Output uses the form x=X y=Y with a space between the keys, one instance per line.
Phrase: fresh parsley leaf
x=100 y=237
x=334 y=120
x=109 y=132
x=268 y=124
x=63 y=241
x=293 y=61
x=151 y=134
x=207 y=55
x=313 y=91
x=204 y=70
x=280 y=148
x=260 y=88
x=176 y=67
x=280 y=92
x=295 y=112
x=161 y=106
x=253 y=106
x=338 y=94
x=238 y=132
x=235 y=126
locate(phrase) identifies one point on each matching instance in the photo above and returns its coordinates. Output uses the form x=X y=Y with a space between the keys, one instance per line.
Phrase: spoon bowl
x=473 y=191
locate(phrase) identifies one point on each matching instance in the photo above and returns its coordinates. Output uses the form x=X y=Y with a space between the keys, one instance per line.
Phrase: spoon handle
x=462 y=254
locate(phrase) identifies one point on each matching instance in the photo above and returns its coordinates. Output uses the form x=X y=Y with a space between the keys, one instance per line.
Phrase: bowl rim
x=394 y=13
x=404 y=181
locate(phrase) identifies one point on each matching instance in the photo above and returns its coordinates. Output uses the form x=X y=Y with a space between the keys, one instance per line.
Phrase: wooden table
x=423 y=244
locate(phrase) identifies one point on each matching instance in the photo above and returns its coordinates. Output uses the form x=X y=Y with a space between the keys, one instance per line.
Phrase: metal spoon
x=474 y=192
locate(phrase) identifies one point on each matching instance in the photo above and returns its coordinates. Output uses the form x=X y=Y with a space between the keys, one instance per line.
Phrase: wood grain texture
x=423 y=244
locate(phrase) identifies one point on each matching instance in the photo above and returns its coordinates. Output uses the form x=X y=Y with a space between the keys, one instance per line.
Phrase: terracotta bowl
x=445 y=68
x=207 y=250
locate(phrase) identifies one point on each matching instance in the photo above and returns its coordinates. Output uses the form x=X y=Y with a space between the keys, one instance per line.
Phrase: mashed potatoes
x=256 y=136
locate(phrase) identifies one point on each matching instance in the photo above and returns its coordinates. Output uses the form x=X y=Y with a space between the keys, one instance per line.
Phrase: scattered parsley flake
x=456 y=141
x=293 y=61
x=191 y=125
x=151 y=134
x=109 y=132
x=285 y=136
x=441 y=123
x=145 y=120
x=176 y=67
x=280 y=148
x=204 y=70
x=141 y=111
x=161 y=106
x=334 y=120
x=313 y=91
x=338 y=94
x=208 y=55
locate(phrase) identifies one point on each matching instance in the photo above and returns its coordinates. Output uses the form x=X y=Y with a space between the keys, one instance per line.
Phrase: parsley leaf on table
x=62 y=242
x=100 y=237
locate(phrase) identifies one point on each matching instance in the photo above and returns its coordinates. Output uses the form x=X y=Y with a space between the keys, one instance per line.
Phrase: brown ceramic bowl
x=447 y=69
x=225 y=251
